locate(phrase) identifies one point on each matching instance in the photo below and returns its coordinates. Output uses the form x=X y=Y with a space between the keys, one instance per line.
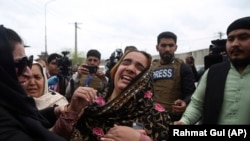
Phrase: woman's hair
x=129 y=48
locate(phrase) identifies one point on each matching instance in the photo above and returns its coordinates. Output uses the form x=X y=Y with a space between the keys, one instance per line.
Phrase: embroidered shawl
x=134 y=104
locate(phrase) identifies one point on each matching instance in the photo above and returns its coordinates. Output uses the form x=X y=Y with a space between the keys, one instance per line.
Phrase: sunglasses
x=23 y=63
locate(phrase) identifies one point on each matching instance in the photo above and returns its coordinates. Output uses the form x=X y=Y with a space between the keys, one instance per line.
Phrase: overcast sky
x=109 y=24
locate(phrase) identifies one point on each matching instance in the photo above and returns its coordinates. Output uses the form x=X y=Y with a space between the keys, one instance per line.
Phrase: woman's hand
x=123 y=133
x=82 y=97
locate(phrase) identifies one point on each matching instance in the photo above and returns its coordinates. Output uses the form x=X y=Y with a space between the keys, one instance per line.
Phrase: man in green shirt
x=222 y=96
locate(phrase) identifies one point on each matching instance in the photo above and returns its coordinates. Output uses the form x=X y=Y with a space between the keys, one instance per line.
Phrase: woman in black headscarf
x=19 y=117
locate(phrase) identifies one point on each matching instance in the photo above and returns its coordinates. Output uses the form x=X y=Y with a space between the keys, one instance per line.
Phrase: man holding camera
x=88 y=74
x=53 y=71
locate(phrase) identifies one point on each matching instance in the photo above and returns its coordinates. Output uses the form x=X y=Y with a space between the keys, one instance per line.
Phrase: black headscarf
x=14 y=99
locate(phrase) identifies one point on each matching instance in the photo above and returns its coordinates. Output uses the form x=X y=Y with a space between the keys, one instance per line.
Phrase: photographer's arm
x=76 y=79
x=101 y=75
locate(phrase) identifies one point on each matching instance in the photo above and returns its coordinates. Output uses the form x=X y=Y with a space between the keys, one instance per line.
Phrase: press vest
x=167 y=83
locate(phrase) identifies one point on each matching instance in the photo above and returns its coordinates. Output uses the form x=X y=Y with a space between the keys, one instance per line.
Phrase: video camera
x=92 y=69
x=114 y=58
x=218 y=46
x=217 y=53
x=64 y=63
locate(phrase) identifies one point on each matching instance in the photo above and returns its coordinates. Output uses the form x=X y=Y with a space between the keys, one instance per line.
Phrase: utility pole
x=220 y=35
x=76 y=52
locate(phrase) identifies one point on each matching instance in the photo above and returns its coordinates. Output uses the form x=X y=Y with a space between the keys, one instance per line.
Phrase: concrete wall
x=198 y=56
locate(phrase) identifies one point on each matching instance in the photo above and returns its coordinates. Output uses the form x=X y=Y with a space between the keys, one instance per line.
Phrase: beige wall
x=198 y=56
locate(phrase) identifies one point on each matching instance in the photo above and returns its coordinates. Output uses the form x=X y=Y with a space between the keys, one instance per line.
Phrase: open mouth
x=126 y=78
x=32 y=90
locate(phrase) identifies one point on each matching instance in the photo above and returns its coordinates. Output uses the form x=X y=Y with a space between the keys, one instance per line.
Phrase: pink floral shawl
x=134 y=104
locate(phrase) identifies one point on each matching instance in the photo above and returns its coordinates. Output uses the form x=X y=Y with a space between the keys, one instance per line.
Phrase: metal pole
x=75 y=40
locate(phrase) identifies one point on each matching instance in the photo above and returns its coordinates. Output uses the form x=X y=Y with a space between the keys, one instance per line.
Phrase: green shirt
x=236 y=101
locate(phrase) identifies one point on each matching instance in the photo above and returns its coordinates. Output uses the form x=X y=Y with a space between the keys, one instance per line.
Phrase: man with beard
x=222 y=96
x=173 y=80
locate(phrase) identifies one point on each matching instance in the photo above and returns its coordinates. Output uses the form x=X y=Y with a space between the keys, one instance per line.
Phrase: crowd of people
x=138 y=100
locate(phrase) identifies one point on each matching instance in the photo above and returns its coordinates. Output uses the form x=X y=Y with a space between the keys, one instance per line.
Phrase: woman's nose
x=31 y=80
x=131 y=68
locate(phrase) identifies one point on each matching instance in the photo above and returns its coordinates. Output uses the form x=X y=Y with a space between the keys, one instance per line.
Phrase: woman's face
x=35 y=84
x=131 y=65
